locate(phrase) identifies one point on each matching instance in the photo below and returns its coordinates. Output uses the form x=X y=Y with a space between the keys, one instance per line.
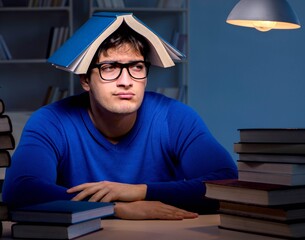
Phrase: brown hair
x=123 y=35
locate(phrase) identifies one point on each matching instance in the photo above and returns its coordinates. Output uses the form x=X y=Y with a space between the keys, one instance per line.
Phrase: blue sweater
x=169 y=148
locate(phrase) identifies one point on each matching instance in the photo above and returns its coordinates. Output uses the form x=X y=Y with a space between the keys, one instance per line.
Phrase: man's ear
x=84 y=81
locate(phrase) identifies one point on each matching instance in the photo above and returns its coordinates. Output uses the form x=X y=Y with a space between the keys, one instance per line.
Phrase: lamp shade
x=264 y=15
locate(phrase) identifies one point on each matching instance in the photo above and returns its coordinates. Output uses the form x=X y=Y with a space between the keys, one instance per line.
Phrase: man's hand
x=150 y=210
x=106 y=191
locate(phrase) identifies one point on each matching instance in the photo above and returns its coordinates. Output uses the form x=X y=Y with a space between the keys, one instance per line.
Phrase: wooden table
x=205 y=227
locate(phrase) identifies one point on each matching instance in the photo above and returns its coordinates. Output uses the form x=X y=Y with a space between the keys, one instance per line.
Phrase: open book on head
x=76 y=54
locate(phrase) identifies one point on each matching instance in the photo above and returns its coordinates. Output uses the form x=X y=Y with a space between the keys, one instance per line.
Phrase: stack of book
x=268 y=198
x=7 y=143
x=60 y=219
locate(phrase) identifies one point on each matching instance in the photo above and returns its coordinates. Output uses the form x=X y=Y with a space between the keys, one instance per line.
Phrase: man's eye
x=137 y=67
x=108 y=67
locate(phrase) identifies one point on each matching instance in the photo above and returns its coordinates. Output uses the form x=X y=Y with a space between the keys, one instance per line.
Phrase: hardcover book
x=272 y=135
x=289 y=168
x=286 y=230
x=5 y=124
x=270 y=148
x=254 y=193
x=7 y=141
x=54 y=231
x=2 y=107
x=289 y=179
x=5 y=158
x=76 y=54
x=62 y=211
x=277 y=173
x=291 y=212
x=271 y=158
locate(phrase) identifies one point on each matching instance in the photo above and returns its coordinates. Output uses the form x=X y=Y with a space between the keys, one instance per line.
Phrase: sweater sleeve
x=200 y=157
x=31 y=178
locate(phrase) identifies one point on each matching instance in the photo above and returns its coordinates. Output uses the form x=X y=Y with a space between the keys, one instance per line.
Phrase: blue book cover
x=81 y=40
x=76 y=53
x=63 y=211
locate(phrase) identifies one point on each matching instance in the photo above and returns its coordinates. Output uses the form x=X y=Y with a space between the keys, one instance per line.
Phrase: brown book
x=291 y=212
x=254 y=193
x=287 y=168
x=271 y=158
x=7 y=141
x=270 y=148
x=234 y=234
x=5 y=124
x=5 y=158
x=272 y=135
x=276 y=173
x=287 y=230
x=4 y=215
x=2 y=107
x=289 y=179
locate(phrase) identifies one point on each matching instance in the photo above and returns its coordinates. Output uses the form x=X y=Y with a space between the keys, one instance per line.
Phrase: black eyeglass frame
x=122 y=66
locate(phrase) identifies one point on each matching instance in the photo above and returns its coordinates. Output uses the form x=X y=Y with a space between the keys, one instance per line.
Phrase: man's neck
x=113 y=126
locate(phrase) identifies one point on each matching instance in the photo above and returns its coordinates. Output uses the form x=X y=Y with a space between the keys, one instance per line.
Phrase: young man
x=117 y=143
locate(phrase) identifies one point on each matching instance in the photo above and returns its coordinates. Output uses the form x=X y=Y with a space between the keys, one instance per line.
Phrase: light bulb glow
x=263 y=26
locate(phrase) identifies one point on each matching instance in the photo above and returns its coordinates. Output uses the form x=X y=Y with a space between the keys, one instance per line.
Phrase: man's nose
x=125 y=79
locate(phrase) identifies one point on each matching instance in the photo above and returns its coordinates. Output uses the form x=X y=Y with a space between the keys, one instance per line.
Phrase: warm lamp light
x=264 y=15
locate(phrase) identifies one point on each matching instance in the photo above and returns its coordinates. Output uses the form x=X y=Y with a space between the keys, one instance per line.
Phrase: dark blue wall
x=243 y=78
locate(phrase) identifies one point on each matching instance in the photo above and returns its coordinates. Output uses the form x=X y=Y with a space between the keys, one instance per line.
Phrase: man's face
x=123 y=95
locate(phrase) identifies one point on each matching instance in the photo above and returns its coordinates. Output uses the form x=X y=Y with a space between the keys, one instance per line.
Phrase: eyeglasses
x=110 y=71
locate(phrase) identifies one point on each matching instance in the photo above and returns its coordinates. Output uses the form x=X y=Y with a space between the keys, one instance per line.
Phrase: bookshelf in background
x=37 y=28
x=169 y=19
x=5 y=53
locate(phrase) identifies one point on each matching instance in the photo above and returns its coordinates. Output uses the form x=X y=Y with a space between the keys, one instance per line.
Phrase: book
x=271 y=158
x=6 y=53
x=54 y=231
x=2 y=107
x=62 y=211
x=57 y=36
x=4 y=216
x=277 y=173
x=76 y=53
x=291 y=212
x=242 y=235
x=270 y=148
x=289 y=179
x=272 y=135
x=287 y=230
x=7 y=141
x=265 y=194
x=5 y=124
x=5 y=158
x=265 y=167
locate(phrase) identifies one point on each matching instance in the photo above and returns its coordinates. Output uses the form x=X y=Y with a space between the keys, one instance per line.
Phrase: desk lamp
x=264 y=15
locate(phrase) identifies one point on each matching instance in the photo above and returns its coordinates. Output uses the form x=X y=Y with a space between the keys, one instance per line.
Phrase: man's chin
x=125 y=110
